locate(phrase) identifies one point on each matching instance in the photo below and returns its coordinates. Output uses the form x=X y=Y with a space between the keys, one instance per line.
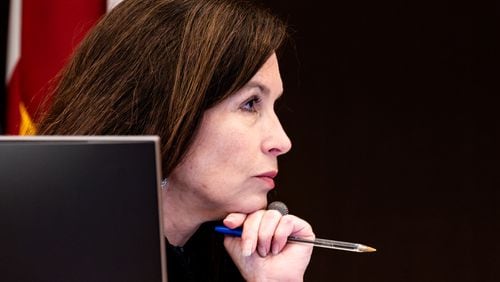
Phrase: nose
x=276 y=141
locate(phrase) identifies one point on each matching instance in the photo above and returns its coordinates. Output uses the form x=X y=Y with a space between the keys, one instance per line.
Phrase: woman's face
x=233 y=160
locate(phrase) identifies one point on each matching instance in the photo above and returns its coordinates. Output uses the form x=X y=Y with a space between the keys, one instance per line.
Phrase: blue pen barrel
x=228 y=231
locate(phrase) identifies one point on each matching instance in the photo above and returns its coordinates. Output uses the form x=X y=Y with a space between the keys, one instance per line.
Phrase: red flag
x=46 y=33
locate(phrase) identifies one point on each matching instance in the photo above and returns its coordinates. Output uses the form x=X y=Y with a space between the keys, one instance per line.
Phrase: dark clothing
x=202 y=258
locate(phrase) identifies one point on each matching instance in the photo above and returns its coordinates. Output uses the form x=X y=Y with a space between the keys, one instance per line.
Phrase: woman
x=204 y=76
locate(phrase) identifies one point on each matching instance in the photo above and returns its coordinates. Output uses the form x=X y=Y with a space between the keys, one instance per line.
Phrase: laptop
x=81 y=209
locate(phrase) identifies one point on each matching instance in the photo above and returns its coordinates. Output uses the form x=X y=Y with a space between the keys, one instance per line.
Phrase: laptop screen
x=80 y=209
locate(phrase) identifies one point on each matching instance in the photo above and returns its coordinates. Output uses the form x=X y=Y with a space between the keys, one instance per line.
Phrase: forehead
x=268 y=76
x=269 y=69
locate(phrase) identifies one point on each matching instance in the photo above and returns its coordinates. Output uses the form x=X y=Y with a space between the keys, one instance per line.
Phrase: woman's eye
x=249 y=106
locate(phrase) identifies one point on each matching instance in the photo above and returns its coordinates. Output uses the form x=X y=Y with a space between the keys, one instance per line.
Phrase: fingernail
x=262 y=251
x=247 y=249
x=274 y=249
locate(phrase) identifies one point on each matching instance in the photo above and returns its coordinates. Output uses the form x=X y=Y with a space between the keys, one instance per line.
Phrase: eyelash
x=249 y=105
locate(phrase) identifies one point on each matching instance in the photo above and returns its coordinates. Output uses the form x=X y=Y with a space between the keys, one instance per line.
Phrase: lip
x=268 y=178
x=270 y=174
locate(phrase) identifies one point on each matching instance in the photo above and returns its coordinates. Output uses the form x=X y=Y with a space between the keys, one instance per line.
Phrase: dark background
x=393 y=115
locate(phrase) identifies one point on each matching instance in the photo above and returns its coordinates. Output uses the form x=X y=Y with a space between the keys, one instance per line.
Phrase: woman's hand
x=262 y=253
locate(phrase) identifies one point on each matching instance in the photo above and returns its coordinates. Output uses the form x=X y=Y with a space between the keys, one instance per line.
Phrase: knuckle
x=287 y=219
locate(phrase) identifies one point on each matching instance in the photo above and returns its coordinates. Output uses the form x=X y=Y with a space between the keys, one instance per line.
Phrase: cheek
x=230 y=151
x=224 y=153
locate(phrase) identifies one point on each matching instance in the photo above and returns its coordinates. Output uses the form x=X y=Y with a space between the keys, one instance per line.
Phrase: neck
x=180 y=218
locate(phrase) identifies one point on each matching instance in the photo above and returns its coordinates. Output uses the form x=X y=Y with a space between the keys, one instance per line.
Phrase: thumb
x=234 y=220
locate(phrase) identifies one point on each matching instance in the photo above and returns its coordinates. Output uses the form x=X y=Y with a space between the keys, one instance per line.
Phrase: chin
x=254 y=205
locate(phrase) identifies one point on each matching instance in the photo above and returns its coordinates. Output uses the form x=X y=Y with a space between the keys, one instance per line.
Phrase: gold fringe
x=27 y=127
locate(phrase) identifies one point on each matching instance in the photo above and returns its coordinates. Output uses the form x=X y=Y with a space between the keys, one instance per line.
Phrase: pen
x=323 y=243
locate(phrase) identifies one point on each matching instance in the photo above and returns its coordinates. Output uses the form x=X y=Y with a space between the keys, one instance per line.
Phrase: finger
x=250 y=232
x=290 y=225
x=267 y=227
x=301 y=228
x=283 y=230
x=234 y=220
x=232 y=245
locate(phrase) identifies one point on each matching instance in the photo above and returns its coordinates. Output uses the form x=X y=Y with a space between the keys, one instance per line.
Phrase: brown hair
x=152 y=67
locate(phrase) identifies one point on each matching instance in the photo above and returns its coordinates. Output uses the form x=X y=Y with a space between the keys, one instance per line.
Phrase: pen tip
x=367 y=249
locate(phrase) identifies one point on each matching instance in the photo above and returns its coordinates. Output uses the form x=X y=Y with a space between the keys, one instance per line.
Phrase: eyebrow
x=263 y=88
